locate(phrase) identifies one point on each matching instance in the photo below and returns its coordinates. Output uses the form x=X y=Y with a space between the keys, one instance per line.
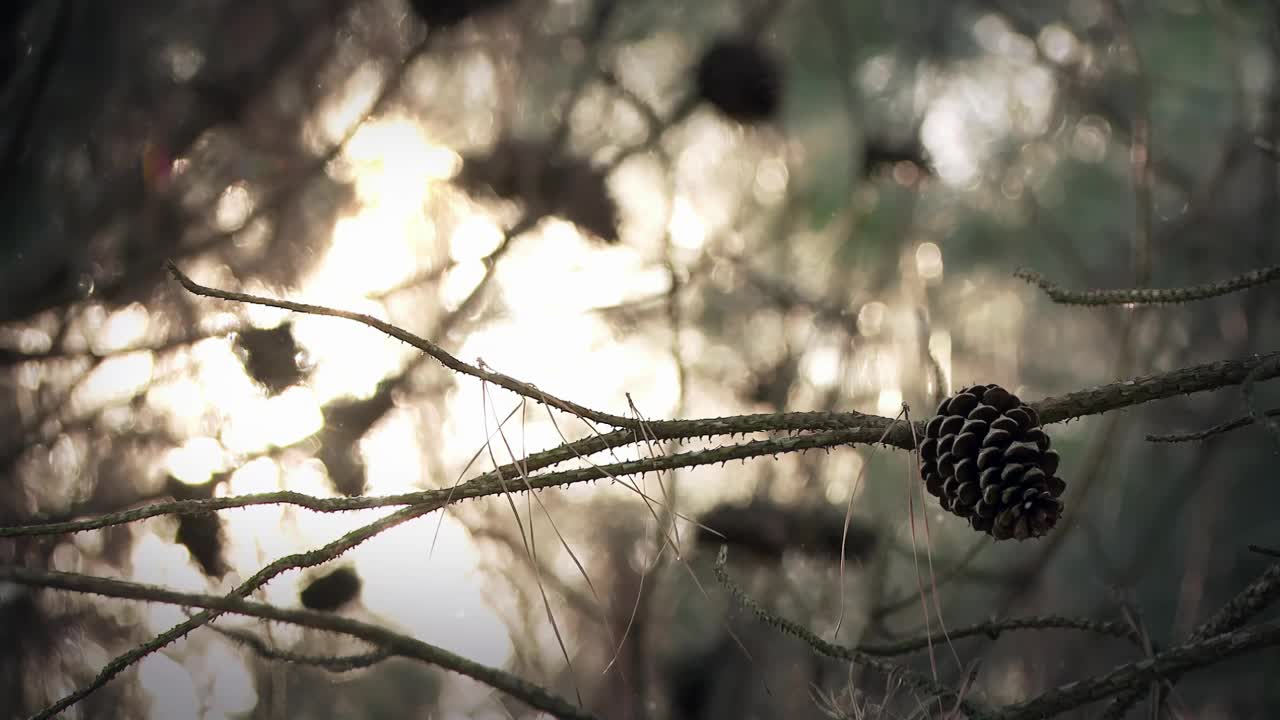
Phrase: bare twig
x=1264 y=551
x=430 y=348
x=1267 y=147
x=1252 y=600
x=910 y=678
x=1219 y=429
x=1173 y=662
x=994 y=628
x=1259 y=416
x=331 y=663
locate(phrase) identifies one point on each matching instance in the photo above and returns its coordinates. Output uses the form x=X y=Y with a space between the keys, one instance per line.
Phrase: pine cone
x=547 y=182
x=330 y=592
x=448 y=13
x=271 y=357
x=741 y=80
x=987 y=459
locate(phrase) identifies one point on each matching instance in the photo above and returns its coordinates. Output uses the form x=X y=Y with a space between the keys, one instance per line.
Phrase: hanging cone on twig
x=741 y=79
x=986 y=458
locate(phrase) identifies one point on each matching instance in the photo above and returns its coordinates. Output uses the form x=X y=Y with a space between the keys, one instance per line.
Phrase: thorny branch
x=1170 y=663
x=385 y=640
x=911 y=679
x=852 y=428
x=827 y=430
x=331 y=663
x=1150 y=296
x=1243 y=607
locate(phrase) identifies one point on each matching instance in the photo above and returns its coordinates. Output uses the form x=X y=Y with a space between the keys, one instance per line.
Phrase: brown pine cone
x=987 y=459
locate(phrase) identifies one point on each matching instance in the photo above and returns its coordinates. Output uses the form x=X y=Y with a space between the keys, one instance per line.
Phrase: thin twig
x=1251 y=401
x=993 y=629
x=1150 y=296
x=1219 y=429
x=1170 y=663
x=1264 y=551
x=911 y=678
x=428 y=347
x=392 y=642
x=1238 y=611
x=331 y=663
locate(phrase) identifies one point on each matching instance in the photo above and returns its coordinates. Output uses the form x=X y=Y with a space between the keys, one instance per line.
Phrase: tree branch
x=1238 y=611
x=1150 y=296
x=843 y=429
x=330 y=663
x=380 y=637
x=1171 y=663
x=994 y=628
x=1219 y=429
x=426 y=346
x=909 y=677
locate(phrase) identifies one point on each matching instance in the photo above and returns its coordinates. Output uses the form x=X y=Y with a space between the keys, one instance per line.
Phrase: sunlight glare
x=184 y=61
x=348 y=358
x=688 y=232
x=232 y=689
x=369 y=252
x=875 y=74
x=124 y=328
x=840 y=484
x=345 y=111
x=196 y=460
x=996 y=37
x=821 y=366
x=389 y=450
x=929 y=261
x=309 y=478
x=574 y=356
x=116 y=378
x=394 y=166
x=1090 y=141
x=889 y=403
x=459 y=282
x=871 y=318
x=949 y=142
x=235 y=205
x=771 y=180
x=1059 y=44
x=394 y=162
x=256 y=476
x=260 y=531
x=475 y=238
x=277 y=421
x=1007 y=92
x=168 y=688
x=441 y=599
x=558 y=272
x=157 y=560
